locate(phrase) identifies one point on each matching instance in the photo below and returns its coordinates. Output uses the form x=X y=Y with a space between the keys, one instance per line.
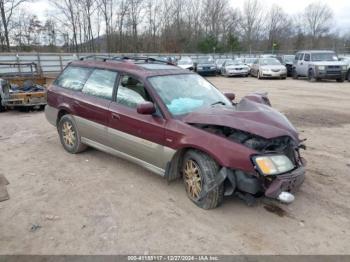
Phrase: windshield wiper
x=218 y=102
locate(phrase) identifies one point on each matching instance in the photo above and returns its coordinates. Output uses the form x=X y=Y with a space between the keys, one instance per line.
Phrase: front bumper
x=271 y=74
x=237 y=72
x=331 y=75
x=207 y=72
x=289 y=182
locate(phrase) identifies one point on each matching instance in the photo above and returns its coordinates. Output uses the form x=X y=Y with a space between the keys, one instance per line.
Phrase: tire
x=348 y=76
x=294 y=74
x=72 y=143
x=311 y=76
x=340 y=80
x=207 y=170
x=2 y=108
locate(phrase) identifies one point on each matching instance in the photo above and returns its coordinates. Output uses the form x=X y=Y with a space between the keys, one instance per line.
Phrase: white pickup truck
x=317 y=65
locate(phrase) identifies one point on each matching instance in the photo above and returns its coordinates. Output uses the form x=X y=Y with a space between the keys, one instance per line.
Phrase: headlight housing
x=200 y=67
x=321 y=68
x=273 y=164
x=212 y=67
x=344 y=67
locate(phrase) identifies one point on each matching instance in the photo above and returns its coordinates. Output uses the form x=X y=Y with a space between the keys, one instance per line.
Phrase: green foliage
x=208 y=44
x=233 y=43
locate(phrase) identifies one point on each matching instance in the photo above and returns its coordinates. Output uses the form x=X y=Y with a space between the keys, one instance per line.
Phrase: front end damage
x=279 y=184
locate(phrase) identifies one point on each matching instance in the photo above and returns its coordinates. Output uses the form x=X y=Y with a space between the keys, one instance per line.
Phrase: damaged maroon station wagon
x=177 y=124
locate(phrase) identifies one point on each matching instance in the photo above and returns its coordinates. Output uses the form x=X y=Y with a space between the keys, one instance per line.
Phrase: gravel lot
x=94 y=203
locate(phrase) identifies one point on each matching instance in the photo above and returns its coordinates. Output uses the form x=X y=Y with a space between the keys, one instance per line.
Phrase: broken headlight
x=273 y=164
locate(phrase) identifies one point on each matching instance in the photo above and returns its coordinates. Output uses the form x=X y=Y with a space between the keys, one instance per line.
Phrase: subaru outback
x=177 y=124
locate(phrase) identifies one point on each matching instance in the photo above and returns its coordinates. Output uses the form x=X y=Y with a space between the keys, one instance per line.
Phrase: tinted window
x=73 y=77
x=131 y=92
x=300 y=56
x=100 y=83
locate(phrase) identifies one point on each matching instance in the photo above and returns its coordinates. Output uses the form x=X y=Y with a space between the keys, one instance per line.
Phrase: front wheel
x=199 y=171
x=311 y=76
x=294 y=74
x=69 y=135
x=2 y=108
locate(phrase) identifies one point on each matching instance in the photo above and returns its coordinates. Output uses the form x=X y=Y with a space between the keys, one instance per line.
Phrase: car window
x=100 y=83
x=131 y=92
x=300 y=56
x=73 y=77
x=307 y=57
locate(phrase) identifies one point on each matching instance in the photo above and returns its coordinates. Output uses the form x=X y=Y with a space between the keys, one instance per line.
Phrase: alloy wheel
x=68 y=134
x=192 y=178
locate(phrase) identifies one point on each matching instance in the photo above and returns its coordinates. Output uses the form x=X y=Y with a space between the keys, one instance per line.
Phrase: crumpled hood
x=248 y=116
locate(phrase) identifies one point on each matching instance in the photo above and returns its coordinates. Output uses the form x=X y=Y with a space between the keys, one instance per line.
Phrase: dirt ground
x=94 y=203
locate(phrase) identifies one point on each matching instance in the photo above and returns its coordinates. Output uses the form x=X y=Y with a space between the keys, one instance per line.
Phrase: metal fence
x=53 y=63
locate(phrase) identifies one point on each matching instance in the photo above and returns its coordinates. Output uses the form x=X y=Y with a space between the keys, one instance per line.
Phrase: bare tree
x=278 y=26
x=7 y=7
x=68 y=10
x=135 y=18
x=318 y=18
x=251 y=22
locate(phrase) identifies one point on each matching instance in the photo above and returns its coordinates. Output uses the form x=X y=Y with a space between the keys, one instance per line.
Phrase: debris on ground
x=51 y=217
x=34 y=227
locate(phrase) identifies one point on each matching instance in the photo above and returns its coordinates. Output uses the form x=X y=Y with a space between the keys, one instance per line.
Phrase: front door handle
x=115 y=116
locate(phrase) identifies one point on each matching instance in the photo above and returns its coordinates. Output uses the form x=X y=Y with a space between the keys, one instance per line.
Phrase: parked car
x=219 y=62
x=249 y=61
x=234 y=68
x=317 y=65
x=268 y=68
x=205 y=66
x=185 y=63
x=287 y=61
x=22 y=86
x=177 y=124
x=346 y=60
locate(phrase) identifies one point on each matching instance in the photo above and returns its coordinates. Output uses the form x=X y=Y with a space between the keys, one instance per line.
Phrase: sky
x=341 y=9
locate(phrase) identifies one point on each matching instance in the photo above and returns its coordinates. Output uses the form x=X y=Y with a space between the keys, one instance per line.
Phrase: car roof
x=316 y=51
x=141 y=69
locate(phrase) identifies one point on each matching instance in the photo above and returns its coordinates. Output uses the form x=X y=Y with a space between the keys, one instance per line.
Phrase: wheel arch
x=173 y=170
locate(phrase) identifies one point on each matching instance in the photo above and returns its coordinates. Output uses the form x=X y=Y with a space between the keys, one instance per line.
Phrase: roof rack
x=124 y=58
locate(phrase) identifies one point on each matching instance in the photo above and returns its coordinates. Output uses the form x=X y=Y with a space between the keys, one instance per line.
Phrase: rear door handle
x=77 y=102
x=115 y=116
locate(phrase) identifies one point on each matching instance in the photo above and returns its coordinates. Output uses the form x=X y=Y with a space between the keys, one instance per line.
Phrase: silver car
x=234 y=68
x=219 y=62
x=268 y=68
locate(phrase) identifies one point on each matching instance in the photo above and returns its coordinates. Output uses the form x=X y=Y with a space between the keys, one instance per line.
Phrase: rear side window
x=73 y=78
x=100 y=84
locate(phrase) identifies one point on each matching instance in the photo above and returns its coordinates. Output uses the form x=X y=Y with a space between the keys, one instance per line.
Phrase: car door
x=299 y=64
x=305 y=64
x=92 y=105
x=138 y=137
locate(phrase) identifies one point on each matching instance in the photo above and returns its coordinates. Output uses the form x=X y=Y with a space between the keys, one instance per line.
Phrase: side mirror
x=230 y=96
x=146 y=108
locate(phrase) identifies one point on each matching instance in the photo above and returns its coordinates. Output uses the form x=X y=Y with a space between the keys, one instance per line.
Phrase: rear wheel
x=199 y=171
x=69 y=135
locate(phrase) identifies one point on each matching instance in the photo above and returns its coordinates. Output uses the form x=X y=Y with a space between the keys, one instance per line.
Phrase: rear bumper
x=51 y=114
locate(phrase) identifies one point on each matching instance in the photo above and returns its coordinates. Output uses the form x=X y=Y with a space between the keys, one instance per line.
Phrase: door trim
x=117 y=153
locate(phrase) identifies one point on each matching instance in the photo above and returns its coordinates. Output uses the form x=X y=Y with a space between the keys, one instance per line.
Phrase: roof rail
x=96 y=57
x=124 y=58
